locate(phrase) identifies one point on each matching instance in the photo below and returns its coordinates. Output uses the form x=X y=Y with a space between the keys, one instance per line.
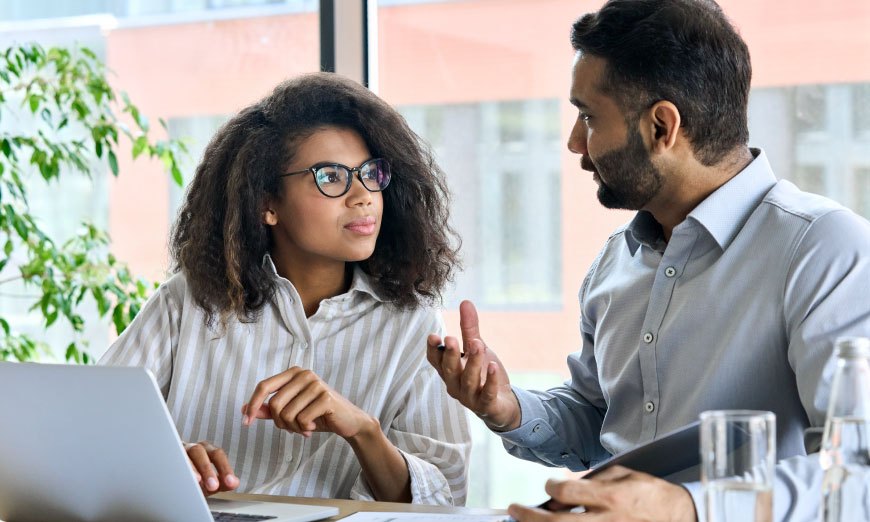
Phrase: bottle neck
x=850 y=390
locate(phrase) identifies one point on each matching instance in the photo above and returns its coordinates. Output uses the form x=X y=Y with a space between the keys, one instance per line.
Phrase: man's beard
x=632 y=179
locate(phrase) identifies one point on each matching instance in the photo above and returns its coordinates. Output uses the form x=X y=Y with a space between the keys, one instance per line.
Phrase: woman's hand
x=212 y=468
x=303 y=403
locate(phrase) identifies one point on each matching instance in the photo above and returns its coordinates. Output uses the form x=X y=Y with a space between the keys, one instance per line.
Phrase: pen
x=441 y=348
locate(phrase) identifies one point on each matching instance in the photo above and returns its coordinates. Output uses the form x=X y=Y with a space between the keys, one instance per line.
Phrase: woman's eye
x=328 y=176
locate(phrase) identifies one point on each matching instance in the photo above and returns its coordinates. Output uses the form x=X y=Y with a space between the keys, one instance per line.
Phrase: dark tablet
x=673 y=452
x=666 y=455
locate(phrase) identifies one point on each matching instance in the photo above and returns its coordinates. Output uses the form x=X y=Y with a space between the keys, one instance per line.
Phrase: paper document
x=421 y=517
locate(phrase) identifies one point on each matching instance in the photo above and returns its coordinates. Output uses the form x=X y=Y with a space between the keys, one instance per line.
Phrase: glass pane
x=190 y=75
x=494 y=108
x=39 y=9
x=486 y=83
x=862 y=192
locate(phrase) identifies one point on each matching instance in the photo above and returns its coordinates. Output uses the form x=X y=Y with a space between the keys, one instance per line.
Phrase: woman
x=291 y=340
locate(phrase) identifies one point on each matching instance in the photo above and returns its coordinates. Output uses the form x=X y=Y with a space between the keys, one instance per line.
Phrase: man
x=726 y=290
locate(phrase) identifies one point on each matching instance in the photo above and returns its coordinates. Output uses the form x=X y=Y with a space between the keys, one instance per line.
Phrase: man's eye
x=585 y=117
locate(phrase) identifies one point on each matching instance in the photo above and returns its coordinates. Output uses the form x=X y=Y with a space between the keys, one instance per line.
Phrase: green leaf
x=50 y=318
x=176 y=175
x=72 y=353
x=113 y=162
x=139 y=145
x=5 y=325
x=103 y=304
x=90 y=54
x=34 y=102
x=142 y=120
x=118 y=318
x=134 y=309
x=7 y=248
x=20 y=226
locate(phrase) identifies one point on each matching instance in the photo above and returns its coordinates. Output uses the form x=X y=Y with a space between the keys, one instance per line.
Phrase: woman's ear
x=270 y=217
x=665 y=119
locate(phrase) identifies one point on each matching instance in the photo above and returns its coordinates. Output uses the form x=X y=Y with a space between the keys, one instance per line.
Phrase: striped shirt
x=368 y=350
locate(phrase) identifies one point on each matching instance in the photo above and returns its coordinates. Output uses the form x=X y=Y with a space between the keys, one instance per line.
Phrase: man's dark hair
x=683 y=51
x=220 y=239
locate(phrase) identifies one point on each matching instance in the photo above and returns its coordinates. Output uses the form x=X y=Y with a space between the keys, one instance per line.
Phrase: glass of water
x=738 y=453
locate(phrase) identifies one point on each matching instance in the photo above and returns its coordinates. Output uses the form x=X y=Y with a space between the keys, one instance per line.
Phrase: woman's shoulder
x=366 y=284
x=172 y=291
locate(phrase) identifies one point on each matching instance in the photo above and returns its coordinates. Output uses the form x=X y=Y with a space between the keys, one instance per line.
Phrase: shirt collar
x=644 y=229
x=361 y=282
x=722 y=213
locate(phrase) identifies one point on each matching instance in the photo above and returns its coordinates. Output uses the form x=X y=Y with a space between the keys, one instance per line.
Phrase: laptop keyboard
x=220 y=516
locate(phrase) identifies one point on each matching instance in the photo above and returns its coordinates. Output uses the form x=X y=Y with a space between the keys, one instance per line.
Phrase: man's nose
x=577 y=139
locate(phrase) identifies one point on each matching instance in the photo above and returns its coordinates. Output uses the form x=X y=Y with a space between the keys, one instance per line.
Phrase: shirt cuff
x=428 y=485
x=535 y=429
x=694 y=489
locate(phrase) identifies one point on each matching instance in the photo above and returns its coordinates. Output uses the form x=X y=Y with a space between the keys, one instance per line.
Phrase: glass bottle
x=845 y=451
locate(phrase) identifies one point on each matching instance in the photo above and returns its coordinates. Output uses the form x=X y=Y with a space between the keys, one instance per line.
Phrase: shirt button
x=649 y=406
x=537 y=427
x=670 y=271
x=304 y=345
x=288 y=459
x=648 y=337
x=564 y=455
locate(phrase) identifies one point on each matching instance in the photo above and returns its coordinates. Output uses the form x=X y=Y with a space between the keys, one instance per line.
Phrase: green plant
x=63 y=96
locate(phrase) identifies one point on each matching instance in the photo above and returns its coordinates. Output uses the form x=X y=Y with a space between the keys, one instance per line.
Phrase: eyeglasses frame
x=351 y=171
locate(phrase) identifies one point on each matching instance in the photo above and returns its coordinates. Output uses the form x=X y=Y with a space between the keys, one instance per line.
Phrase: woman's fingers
x=228 y=480
x=198 y=455
x=265 y=388
x=298 y=402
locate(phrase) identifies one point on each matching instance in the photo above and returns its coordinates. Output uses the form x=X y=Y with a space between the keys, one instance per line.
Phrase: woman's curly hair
x=219 y=239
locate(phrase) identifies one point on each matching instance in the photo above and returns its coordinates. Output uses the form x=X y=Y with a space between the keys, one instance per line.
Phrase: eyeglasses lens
x=332 y=180
x=376 y=175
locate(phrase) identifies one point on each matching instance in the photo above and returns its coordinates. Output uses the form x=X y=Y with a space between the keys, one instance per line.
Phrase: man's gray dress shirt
x=739 y=310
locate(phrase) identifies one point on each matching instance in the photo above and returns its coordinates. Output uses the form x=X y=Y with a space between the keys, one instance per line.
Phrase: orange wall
x=446 y=53
x=191 y=70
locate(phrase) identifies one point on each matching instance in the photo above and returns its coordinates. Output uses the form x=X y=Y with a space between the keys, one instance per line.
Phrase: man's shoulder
x=819 y=220
x=805 y=206
x=613 y=246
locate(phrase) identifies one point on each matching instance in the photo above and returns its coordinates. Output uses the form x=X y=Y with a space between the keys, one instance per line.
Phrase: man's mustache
x=586 y=164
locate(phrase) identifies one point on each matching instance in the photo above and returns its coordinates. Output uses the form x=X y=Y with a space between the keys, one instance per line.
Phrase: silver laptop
x=97 y=443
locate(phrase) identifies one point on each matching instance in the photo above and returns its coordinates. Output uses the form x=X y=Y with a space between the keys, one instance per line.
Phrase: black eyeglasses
x=334 y=180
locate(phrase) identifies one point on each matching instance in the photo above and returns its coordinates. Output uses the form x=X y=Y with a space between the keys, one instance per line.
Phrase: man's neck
x=690 y=185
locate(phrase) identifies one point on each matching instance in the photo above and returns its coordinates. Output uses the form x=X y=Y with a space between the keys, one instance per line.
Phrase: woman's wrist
x=369 y=432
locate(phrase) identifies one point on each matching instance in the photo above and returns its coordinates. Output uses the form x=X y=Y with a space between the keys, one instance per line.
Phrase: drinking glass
x=738 y=452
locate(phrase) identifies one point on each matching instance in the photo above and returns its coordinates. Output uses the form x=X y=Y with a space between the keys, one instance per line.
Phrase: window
x=39 y=9
x=501 y=160
x=861 y=193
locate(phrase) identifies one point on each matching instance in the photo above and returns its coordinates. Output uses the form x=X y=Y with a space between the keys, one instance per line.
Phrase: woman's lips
x=362 y=226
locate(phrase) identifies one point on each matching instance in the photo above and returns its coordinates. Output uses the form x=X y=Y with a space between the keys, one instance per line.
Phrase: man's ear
x=665 y=126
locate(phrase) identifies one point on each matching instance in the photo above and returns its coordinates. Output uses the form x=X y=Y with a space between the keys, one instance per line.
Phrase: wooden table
x=349 y=507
